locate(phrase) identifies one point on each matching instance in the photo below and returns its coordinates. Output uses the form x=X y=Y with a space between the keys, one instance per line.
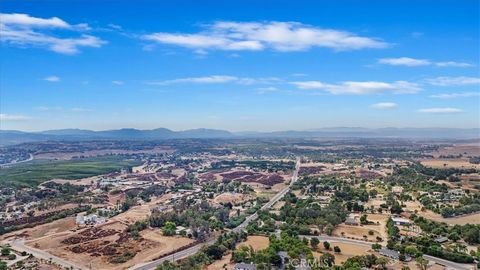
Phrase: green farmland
x=37 y=172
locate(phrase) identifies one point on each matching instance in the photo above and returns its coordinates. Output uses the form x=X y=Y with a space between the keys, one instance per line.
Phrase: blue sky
x=239 y=65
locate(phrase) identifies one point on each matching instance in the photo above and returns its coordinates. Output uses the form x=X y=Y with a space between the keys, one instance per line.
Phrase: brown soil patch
x=224 y=263
x=257 y=242
x=358 y=232
x=347 y=251
x=461 y=163
x=234 y=198
x=462 y=220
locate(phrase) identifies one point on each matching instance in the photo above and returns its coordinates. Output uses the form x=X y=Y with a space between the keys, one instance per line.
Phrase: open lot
x=347 y=251
x=461 y=220
x=257 y=242
x=359 y=232
x=97 y=247
x=461 y=163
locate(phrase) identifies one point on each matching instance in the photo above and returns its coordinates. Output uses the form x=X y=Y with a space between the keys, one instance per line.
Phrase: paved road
x=333 y=239
x=18 y=244
x=190 y=251
x=30 y=158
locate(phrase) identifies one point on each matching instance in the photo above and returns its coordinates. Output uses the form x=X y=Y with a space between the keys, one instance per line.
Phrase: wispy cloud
x=13 y=117
x=453 y=64
x=118 y=82
x=361 y=88
x=46 y=108
x=404 y=61
x=384 y=105
x=217 y=79
x=453 y=81
x=257 y=36
x=23 y=30
x=456 y=95
x=52 y=79
x=265 y=90
x=446 y=110
x=413 y=62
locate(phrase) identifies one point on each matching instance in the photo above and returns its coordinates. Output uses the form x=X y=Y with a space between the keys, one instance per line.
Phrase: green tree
x=422 y=263
x=376 y=246
x=326 y=245
x=327 y=259
x=169 y=228
x=314 y=242
x=5 y=251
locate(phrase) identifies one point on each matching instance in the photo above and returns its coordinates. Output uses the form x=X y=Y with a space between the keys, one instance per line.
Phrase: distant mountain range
x=13 y=136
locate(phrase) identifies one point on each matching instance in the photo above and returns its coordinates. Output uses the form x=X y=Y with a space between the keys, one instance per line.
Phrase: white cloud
x=255 y=36
x=456 y=95
x=198 y=80
x=28 y=21
x=52 y=79
x=453 y=64
x=118 y=82
x=218 y=79
x=23 y=30
x=361 y=88
x=384 y=105
x=45 y=108
x=404 y=61
x=440 y=110
x=453 y=81
x=413 y=62
x=12 y=117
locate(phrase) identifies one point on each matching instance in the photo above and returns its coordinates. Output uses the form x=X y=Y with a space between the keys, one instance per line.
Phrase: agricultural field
x=33 y=174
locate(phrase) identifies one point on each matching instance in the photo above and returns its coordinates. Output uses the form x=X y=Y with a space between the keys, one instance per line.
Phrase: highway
x=190 y=251
x=333 y=239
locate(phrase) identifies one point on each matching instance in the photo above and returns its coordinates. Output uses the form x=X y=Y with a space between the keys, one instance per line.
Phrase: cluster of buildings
x=92 y=219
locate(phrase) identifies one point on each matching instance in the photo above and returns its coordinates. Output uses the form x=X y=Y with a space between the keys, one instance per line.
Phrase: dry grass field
x=347 y=251
x=234 y=198
x=461 y=220
x=257 y=242
x=153 y=245
x=223 y=263
x=466 y=150
x=359 y=232
x=461 y=163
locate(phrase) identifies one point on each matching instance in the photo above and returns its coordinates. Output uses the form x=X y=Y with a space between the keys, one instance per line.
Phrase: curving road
x=190 y=251
x=19 y=245
x=333 y=239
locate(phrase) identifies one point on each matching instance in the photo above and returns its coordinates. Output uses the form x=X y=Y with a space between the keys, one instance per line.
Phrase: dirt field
x=462 y=220
x=359 y=231
x=413 y=266
x=61 y=226
x=256 y=242
x=466 y=149
x=153 y=245
x=413 y=205
x=348 y=251
x=135 y=213
x=375 y=203
x=234 y=198
x=224 y=263
x=449 y=163
x=278 y=205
